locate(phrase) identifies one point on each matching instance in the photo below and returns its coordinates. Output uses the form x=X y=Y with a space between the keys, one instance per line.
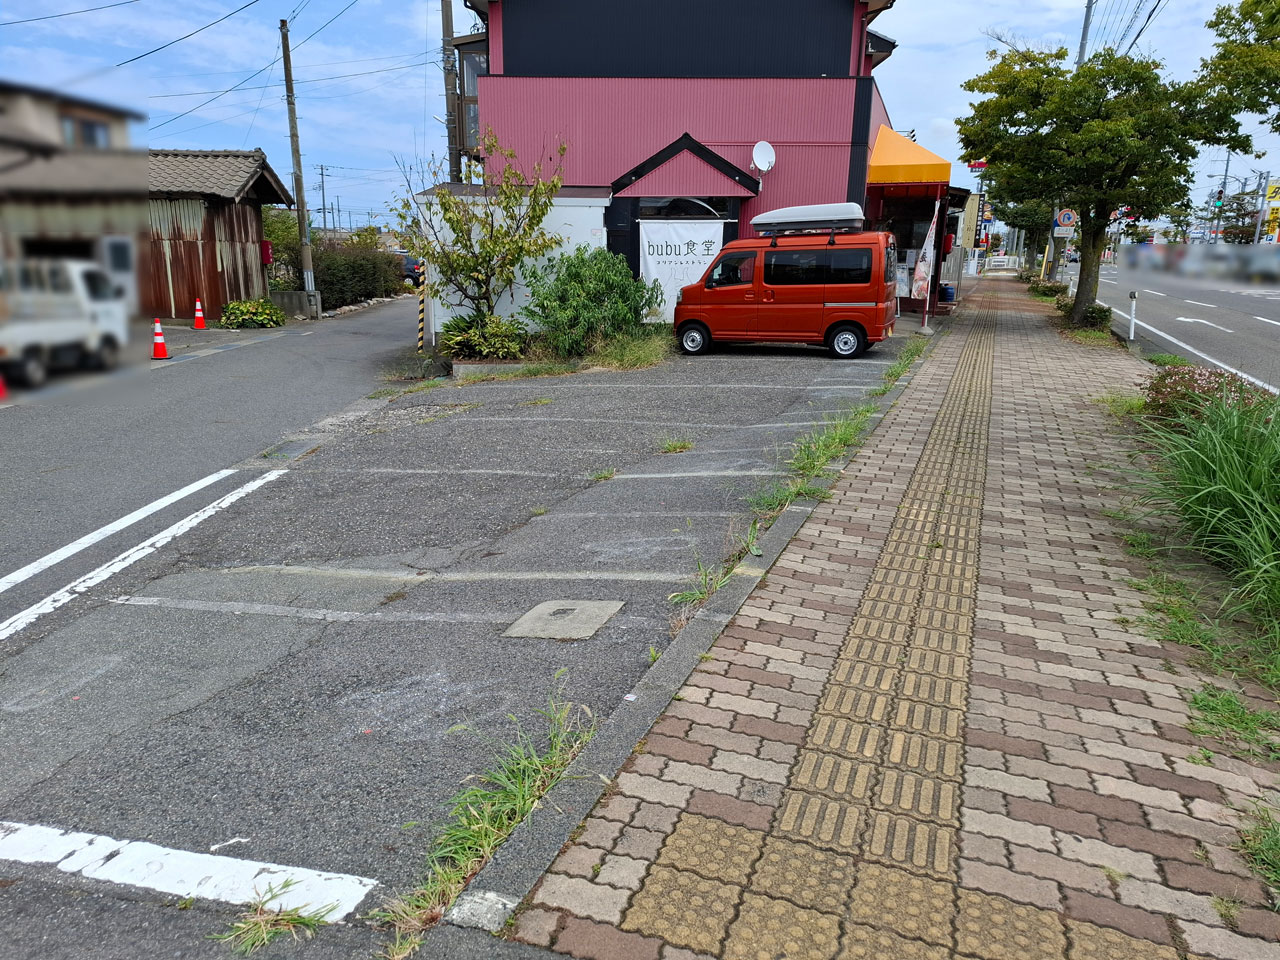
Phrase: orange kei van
x=813 y=276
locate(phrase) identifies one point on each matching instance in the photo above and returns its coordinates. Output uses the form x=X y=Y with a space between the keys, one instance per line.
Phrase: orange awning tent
x=895 y=159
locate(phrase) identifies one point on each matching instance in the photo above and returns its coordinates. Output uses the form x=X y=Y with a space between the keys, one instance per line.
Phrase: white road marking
x=226 y=843
x=466 y=576
x=1156 y=292
x=699 y=473
x=89 y=539
x=180 y=873
x=1105 y=280
x=305 y=613
x=1199 y=304
x=131 y=556
x=1265 y=320
x=1190 y=349
x=1205 y=322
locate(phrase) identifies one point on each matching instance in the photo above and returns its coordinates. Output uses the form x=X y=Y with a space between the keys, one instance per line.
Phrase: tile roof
x=82 y=173
x=230 y=174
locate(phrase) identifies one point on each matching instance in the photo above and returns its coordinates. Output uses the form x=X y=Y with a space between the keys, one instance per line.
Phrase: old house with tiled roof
x=205 y=209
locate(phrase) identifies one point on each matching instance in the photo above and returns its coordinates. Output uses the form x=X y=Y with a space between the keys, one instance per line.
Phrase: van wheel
x=846 y=342
x=695 y=339
x=106 y=357
x=32 y=369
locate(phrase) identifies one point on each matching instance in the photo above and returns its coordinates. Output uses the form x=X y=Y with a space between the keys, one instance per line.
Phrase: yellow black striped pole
x=422 y=310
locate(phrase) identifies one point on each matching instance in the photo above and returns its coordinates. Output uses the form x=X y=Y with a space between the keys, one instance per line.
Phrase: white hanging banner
x=676 y=253
x=924 y=263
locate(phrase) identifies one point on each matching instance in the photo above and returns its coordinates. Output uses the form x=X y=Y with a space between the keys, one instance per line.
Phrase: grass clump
x=1089 y=336
x=1121 y=405
x=526 y=372
x=261 y=923
x=607 y=474
x=813 y=452
x=634 y=351
x=705 y=582
x=910 y=351
x=1168 y=360
x=483 y=815
x=1223 y=715
x=1260 y=845
x=676 y=445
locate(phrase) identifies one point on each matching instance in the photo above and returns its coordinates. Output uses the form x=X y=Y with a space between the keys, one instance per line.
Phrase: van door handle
x=768 y=296
x=748 y=296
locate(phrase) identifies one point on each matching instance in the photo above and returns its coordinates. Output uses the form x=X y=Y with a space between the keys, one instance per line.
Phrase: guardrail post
x=1133 y=313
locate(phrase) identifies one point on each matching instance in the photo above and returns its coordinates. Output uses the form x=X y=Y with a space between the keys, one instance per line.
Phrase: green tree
x=1180 y=217
x=1239 y=213
x=1111 y=133
x=477 y=240
x=366 y=238
x=1246 y=58
x=1031 y=216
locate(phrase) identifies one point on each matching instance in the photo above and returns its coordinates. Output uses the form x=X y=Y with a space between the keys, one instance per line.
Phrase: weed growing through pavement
x=384 y=392
x=1139 y=544
x=749 y=544
x=261 y=923
x=676 y=445
x=606 y=474
x=1087 y=337
x=483 y=815
x=705 y=582
x=633 y=352
x=1224 y=716
x=1228 y=909
x=536 y=402
x=1201 y=757
x=538 y=511
x=1260 y=844
x=527 y=372
x=654 y=654
x=910 y=350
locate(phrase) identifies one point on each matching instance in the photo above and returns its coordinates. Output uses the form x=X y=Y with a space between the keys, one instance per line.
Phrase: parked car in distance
x=816 y=277
x=1073 y=256
x=56 y=313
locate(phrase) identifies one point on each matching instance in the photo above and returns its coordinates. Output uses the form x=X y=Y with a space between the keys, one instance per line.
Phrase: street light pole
x=1264 y=180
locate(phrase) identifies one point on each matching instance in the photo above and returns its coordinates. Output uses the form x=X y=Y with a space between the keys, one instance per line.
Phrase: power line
x=261 y=97
x=341 y=76
x=1155 y=11
x=188 y=35
x=69 y=13
x=329 y=21
x=1137 y=12
x=308 y=66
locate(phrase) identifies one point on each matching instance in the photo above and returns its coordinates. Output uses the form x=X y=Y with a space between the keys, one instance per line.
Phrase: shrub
x=582 y=298
x=1168 y=360
x=484 y=338
x=1097 y=316
x=347 y=276
x=251 y=313
x=1047 y=288
x=1062 y=303
x=1174 y=392
x=1026 y=275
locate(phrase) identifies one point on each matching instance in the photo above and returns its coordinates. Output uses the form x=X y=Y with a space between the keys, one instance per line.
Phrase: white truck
x=57 y=313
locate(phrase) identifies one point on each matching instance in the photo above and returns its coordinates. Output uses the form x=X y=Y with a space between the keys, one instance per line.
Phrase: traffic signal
x=1218 y=201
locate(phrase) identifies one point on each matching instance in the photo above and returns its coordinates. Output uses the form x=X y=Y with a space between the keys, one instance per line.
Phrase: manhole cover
x=564 y=619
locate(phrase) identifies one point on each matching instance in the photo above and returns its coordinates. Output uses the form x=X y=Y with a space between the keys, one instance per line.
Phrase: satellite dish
x=763 y=156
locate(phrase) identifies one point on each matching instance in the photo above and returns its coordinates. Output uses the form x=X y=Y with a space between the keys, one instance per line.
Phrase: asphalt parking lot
x=291 y=675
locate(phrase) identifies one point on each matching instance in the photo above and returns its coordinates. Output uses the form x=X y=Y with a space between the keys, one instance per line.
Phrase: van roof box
x=812 y=218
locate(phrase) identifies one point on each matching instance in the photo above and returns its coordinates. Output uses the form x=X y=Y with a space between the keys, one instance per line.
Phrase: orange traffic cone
x=4 y=391
x=199 y=324
x=158 y=349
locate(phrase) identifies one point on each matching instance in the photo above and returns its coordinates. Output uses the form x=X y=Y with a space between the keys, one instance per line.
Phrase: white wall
x=576 y=220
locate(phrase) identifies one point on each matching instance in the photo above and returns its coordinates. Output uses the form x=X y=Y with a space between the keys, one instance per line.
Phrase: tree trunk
x=1093 y=234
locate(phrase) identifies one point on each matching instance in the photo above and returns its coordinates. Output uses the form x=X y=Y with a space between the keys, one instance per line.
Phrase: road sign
x=1273 y=191
x=1060 y=232
x=1067 y=218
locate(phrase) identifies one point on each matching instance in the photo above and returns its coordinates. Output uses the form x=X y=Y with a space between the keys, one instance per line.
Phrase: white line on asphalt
x=89 y=539
x=1190 y=349
x=1198 y=320
x=1199 y=304
x=633 y=423
x=466 y=576
x=180 y=873
x=1265 y=320
x=1156 y=292
x=1105 y=280
x=131 y=556
x=699 y=473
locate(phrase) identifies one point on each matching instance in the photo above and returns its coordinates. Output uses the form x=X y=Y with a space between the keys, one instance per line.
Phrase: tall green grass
x=1218 y=470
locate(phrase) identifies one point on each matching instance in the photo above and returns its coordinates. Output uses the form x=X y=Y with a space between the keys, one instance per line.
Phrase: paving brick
x=1198 y=877
x=536 y=926
x=749 y=766
x=596 y=941
x=1060 y=818
x=1086 y=761
x=1183 y=786
x=1050 y=866
x=1159 y=843
x=623 y=872
x=678 y=749
x=1159 y=898
x=975 y=846
x=596 y=832
x=1009 y=745
x=761 y=792
x=723 y=739
x=1050 y=772
x=577 y=861
x=683 y=909
x=638 y=843
x=913 y=906
x=868 y=943
x=995 y=879
x=1109 y=808
x=994 y=928
x=653 y=790
x=655 y=816
x=1002 y=782
x=730 y=809
x=1221 y=944
x=1132 y=862
x=1259 y=923
x=1180 y=823
x=582 y=897
x=1108 y=913
x=704 y=778
x=1089 y=942
x=769 y=730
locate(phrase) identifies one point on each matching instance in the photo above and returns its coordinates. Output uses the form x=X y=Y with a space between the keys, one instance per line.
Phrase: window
x=474 y=66
x=119 y=256
x=732 y=269
x=82 y=132
x=850 y=266
x=100 y=285
x=69 y=131
x=59 y=280
x=791 y=267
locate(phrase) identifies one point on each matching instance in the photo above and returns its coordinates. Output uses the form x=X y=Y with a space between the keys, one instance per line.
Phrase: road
x=1230 y=324
x=282 y=679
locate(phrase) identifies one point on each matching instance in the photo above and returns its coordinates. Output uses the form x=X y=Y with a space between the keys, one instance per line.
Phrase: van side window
x=59 y=281
x=732 y=269
x=99 y=285
x=850 y=266
x=791 y=267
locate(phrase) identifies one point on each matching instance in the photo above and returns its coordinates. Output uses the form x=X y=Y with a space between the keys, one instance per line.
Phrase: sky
x=369 y=83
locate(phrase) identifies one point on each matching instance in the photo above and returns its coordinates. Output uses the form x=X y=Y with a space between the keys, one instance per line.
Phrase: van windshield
x=99 y=285
x=732 y=269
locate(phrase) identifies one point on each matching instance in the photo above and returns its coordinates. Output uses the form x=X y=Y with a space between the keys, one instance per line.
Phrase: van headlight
x=679 y=296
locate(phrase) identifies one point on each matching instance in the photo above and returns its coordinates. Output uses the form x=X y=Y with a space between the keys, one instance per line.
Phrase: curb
x=520 y=862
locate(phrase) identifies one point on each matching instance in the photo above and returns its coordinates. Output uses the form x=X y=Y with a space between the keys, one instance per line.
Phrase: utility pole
x=299 y=194
x=1264 y=180
x=337 y=222
x=324 y=204
x=451 y=90
x=1084 y=33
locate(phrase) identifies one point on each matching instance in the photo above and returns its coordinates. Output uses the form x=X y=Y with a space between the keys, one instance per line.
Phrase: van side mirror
x=118 y=293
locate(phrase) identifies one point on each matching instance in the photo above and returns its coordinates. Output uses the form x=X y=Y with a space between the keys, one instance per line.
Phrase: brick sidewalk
x=924 y=736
